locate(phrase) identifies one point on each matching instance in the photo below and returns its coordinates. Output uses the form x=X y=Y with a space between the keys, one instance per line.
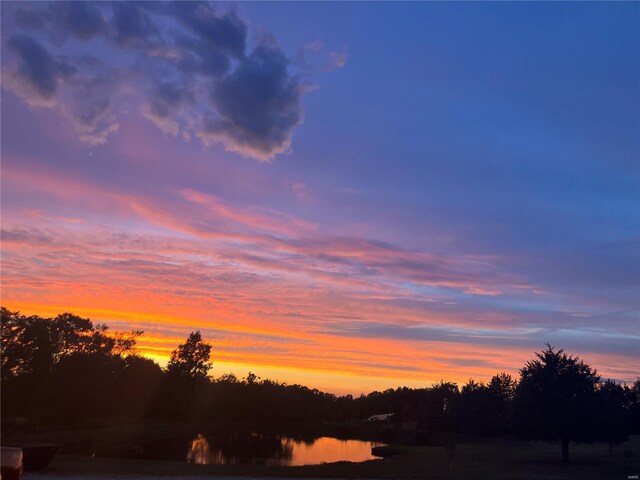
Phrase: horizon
x=271 y=374
x=351 y=197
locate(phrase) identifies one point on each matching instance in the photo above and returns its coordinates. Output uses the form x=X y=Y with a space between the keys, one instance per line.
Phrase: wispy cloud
x=243 y=273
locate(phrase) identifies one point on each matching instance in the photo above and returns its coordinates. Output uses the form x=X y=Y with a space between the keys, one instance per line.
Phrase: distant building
x=381 y=417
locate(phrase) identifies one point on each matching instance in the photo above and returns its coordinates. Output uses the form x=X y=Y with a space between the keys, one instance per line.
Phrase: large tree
x=50 y=363
x=612 y=412
x=555 y=398
x=138 y=387
x=33 y=345
x=502 y=388
x=191 y=359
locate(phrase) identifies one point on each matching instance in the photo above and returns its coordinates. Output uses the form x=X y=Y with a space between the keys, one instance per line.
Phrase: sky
x=351 y=196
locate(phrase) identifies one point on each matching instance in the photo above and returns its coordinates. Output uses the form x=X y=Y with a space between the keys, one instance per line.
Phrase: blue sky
x=456 y=181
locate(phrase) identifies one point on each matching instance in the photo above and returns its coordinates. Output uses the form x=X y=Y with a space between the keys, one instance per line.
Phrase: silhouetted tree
x=83 y=388
x=12 y=354
x=68 y=372
x=474 y=410
x=186 y=386
x=138 y=387
x=228 y=378
x=439 y=404
x=36 y=350
x=554 y=399
x=633 y=394
x=191 y=359
x=29 y=345
x=502 y=388
x=612 y=412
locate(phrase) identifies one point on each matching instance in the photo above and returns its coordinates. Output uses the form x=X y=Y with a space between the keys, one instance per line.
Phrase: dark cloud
x=29 y=18
x=38 y=72
x=226 y=33
x=131 y=24
x=166 y=104
x=168 y=98
x=83 y=20
x=258 y=105
x=190 y=60
x=88 y=61
x=196 y=57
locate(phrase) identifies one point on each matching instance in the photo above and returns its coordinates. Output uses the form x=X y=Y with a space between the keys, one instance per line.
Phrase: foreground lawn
x=496 y=459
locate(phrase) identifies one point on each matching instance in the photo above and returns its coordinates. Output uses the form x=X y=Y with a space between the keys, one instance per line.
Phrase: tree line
x=67 y=372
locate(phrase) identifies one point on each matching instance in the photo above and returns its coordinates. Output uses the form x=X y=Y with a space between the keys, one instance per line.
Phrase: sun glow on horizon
x=364 y=369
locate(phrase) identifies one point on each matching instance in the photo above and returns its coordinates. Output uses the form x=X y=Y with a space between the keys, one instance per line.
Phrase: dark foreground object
x=385 y=451
x=11 y=463
x=37 y=456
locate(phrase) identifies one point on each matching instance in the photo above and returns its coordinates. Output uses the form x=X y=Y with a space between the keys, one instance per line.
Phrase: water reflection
x=200 y=452
x=271 y=449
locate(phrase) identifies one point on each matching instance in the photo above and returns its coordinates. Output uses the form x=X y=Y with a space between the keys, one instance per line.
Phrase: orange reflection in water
x=292 y=452
x=200 y=452
x=327 y=450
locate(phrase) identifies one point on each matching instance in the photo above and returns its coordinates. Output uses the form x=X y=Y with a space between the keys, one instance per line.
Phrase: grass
x=495 y=459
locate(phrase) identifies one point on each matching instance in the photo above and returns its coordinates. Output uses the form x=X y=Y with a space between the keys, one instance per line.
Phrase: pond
x=278 y=450
x=246 y=448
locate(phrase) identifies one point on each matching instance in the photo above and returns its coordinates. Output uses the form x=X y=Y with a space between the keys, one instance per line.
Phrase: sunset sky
x=351 y=196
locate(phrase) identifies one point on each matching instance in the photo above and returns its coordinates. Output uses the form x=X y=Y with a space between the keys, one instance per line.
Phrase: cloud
x=40 y=78
x=187 y=66
x=38 y=73
x=226 y=33
x=29 y=19
x=199 y=257
x=87 y=101
x=132 y=26
x=315 y=57
x=258 y=105
x=167 y=103
x=83 y=20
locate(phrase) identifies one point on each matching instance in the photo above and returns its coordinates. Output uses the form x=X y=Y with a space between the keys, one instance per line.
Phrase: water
x=266 y=449
x=227 y=445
